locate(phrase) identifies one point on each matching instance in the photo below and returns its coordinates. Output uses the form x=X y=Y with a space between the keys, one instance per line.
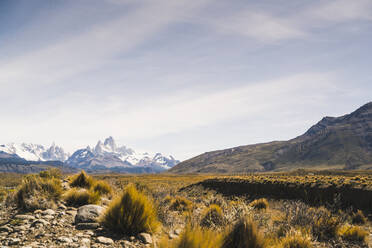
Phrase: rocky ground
x=63 y=227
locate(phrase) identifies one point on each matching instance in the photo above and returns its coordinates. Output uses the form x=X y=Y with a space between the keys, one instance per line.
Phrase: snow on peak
x=35 y=152
x=109 y=154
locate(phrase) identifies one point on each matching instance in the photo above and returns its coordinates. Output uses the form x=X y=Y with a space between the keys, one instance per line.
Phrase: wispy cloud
x=263 y=27
x=341 y=10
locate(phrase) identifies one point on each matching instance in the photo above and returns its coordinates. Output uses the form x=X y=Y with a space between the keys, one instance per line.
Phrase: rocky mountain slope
x=337 y=142
x=104 y=157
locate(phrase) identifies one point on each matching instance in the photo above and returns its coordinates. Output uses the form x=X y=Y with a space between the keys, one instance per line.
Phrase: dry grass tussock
x=131 y=213
x=295 y=239
x=79 y=197
x=194 y=237
x=359 y=218
x=82 y=180
x=244 y=234
x=86 y=190
x=36 y=192
x=213 y=217
x=353 y=233
x=180 y=203
x=260 y=204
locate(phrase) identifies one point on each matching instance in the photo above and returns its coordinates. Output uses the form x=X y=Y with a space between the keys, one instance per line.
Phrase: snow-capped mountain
x=105 y=156
x=108 y=155
x=35 y=152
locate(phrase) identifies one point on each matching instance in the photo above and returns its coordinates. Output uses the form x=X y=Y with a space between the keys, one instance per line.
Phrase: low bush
x=244 y=234
x=295 y=239
x=37 y=192
x=77 y=198
x=131 y=213
x=353 y=233
x=260 y=204
x=102 y=187
x=180 y=204
x=358 y=218
x=213 y=216
x=82 y=180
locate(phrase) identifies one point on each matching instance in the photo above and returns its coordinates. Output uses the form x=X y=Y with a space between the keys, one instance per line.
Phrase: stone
x=90 y=233
x=85 y=241
x=88 y=214
x=14 y=241
x=62 y=206
x=6 y=229
x=24 y=217
x=145 y=238
x=127 y=244
x=48 y=217
x=87 y=226
x=64 y=240
x=21 y=228
x=104 y=240
x=71 y=212
x=48 y=212
x=40 y=222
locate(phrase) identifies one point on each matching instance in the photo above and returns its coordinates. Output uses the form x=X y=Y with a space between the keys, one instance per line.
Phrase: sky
x=179 y=77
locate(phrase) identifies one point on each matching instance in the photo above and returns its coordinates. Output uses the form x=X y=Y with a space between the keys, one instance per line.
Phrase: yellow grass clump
x=213 y=216
x=75 y=197
x=353 y=233
x=244 y=235
x=359 y=218
x=131 y=213
x=102 y=187
x=260 y=204
x=37 y=192
x=180 y=203
x=51 y=173
x=195 y=237
x=295 y=239
x=82 y=180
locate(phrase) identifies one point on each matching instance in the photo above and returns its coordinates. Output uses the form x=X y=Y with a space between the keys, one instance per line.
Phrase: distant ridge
x=334 y=142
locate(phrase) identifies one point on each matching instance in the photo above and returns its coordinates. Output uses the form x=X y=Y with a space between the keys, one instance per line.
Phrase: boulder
x=88 y=214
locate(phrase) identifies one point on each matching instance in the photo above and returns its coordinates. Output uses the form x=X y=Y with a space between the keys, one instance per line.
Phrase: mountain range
x=334 y=142
x=104 y=157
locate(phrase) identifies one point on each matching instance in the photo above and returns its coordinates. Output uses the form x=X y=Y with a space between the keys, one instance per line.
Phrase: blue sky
x=180 y=77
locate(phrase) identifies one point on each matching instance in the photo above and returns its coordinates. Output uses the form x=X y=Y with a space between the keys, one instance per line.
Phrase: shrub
x=77 y=198
x=180 y=204
x=196 y=237
x=82 y=180
x=353 y=233
x=213 y=216
x=260 y=204
x=358 y=218
x=324 y=225
x=244 y=235
x=37 y=192
x=295 y=239
x=131 y=213
x=102 y=187
x=51 y=173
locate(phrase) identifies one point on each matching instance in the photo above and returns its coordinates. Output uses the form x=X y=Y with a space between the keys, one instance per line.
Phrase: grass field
x=323 y=208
